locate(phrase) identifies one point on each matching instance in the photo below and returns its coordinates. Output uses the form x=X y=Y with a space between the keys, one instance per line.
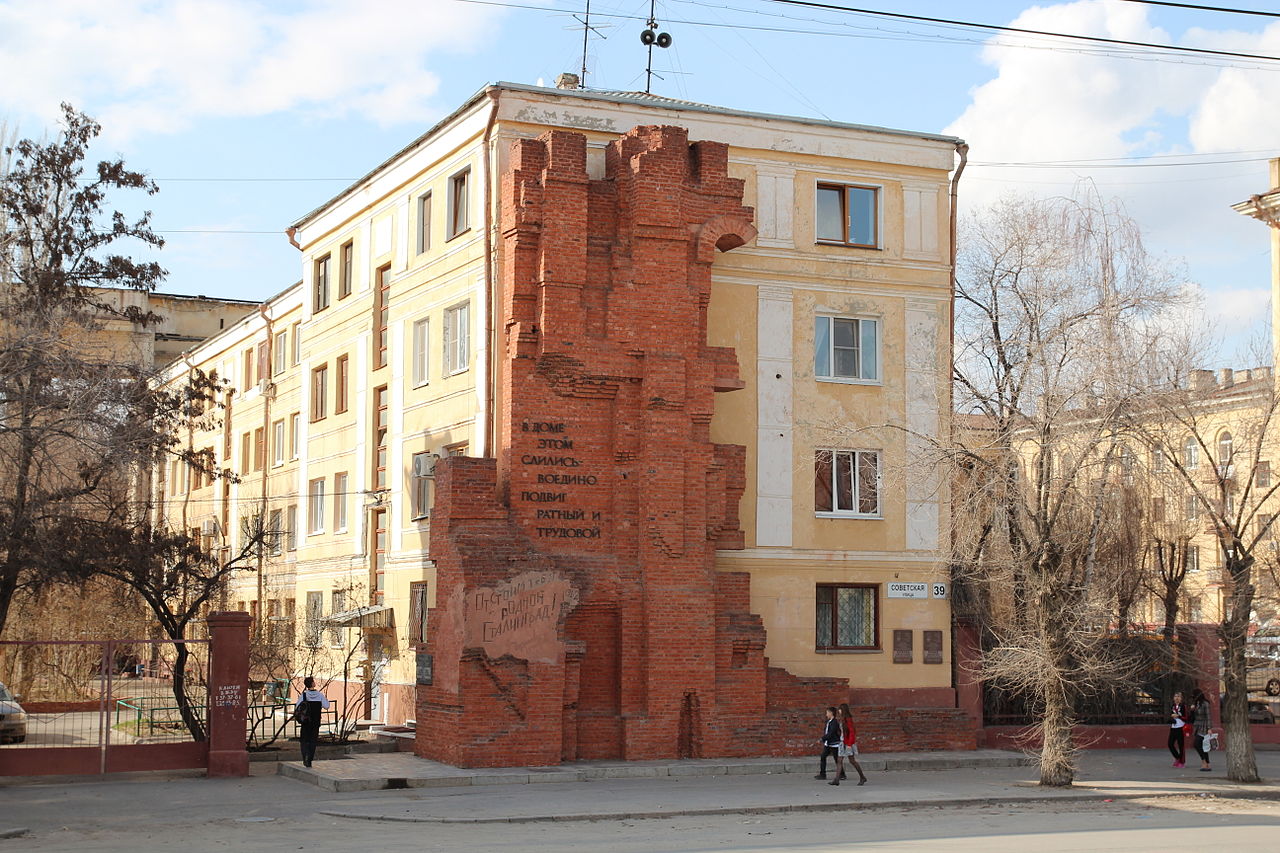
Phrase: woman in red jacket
x=849 y=748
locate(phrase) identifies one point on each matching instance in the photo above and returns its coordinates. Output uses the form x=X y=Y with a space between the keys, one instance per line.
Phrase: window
x=1128 y=465
x=320 y=300
x=279 y=352
x=421 y=476
x=1264 y=525
x=458 y=221
x=1193 y=558
x=248 y=370
x=291 y=527
x=378 y=567
x=846 y=617
x=315 y=611
x=418 y=612
x=1157 y=509
x=246 y=450
x=380 y=312
x=340 y=501
x=456 y=449
x=295 y=351
x=847 y=215
x=346 y=269
x=1158 y=462
x=421 y=341
x=340 y=384
x=263 y=370
x=1262 y=475
x=424 y=222
x=1190 y=453
x=846 y=349
x=1194 y=609
x=295 y=434
x=275 y=532
x=315 y=506
x=175 y=477
x=319 y=382
x=1224 y=450
x=1193 y=507
x=847 y=482
x=337 y=604
x=277 y=442
x=259 y=449
x=380 y=423
x=457 y=338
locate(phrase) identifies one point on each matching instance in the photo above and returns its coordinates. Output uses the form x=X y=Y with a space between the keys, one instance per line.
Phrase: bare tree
x=1052 y=296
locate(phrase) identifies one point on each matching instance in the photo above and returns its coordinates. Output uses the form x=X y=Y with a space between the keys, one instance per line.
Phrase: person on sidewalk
x=848 y=747
x=1201 y=722
x=1177 y=731
x=831 y=740
x=306 y=713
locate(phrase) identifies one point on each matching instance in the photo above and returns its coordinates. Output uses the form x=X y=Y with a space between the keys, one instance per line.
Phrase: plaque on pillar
x=902 y=642
x=425 y=668
x=932 y=646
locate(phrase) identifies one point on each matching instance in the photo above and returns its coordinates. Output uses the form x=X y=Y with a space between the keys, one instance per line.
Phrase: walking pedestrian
x=306 y=713
x=1201 y=723
x=1177 y=730
x=831 y=740
x=848 y=747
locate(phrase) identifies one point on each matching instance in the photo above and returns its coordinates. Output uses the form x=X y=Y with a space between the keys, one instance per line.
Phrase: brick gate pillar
x=228 y=693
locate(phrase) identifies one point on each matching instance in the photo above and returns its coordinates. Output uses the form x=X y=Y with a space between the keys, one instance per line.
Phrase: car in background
x=13 y=720
x=1260 y=712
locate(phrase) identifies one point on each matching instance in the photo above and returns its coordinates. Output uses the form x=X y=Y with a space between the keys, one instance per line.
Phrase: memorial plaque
x=902 y=642
x=425 y=664
x=933 y=647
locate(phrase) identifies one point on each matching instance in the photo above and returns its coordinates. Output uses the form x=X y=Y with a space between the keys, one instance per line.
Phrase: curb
x=16 y=832
x=964 y=802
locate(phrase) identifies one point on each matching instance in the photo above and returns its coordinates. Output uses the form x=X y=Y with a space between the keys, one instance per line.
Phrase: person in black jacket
x=306 y=711
x=831 y=741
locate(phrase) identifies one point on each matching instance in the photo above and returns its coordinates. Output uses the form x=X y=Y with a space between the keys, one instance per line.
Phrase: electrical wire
x=1200 y=8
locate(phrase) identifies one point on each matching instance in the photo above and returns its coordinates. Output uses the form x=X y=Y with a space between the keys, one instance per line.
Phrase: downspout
x=962 y=149
x=266 y=452
x=489 y=376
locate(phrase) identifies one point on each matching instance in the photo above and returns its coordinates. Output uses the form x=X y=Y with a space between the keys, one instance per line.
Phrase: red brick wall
x=579 y=613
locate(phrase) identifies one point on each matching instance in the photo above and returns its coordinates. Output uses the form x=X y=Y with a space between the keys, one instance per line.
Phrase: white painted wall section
x=775 y=332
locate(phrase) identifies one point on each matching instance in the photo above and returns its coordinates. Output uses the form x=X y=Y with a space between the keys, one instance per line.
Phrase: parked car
x=1260 y=712
x=13 y=720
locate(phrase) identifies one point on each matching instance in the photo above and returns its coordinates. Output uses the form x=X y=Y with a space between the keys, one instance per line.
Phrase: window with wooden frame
x=315 y=612
x=337 y=604
x=846 y=348
x=320 y=286
x=341 y=380
x=847 y=215
x=378 y=566
x=264 y=361
x=417 y=612
x=346 y=269
x=246 y=452
x=259 y=448
x=847 y=483
x=319 y=386
x=459 y=195
x=847 y=617
x=381 y=422
x=248 y=377
x=1262 y=475
x=381 y=313
x=424 y=222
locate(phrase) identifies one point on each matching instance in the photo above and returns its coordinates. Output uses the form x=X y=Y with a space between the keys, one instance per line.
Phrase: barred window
x=846 y=616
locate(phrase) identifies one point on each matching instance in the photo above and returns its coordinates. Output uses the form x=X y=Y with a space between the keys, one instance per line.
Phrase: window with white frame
x=457 y=338
x=1193 y=558
x=846 y=348
x=847 y=483
x=424 y=222
x=315 y=506
x=279 y=352
x=847 y=215
x=275 y=532
x=1193 y=507
x=295 y=434
x=1262 y=474
x=277 y=442
x=422 y=477
x=320 y=291
x=421 y=344
x=459 y=194
x=291 y=527
x=1190 y=453
x=340 y=501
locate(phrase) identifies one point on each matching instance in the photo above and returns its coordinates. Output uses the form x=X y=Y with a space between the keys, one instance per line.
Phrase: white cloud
x=147 y=66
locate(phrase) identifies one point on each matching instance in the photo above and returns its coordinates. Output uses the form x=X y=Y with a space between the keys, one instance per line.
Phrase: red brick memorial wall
x=579 y=614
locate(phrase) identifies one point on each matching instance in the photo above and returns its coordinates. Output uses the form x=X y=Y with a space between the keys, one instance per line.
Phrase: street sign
x=908 y=590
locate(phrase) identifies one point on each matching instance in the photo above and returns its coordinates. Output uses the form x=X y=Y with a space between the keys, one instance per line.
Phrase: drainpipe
x=489 y=375
x=962 y=149
x=266 y=452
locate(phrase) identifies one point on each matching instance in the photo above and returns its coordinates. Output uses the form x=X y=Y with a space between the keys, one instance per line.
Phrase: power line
x=1199 y=8
x=1024 y=31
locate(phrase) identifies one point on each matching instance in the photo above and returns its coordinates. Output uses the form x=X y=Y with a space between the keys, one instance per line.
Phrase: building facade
x=677 y=351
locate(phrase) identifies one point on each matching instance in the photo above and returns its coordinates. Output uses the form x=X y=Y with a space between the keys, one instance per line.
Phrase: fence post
x=228 y=692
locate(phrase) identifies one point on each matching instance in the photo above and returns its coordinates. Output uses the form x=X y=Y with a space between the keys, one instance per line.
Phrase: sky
x=250 y=113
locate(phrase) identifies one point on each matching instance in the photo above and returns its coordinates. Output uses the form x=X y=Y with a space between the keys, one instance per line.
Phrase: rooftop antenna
x=649 y=38
x=587 y=29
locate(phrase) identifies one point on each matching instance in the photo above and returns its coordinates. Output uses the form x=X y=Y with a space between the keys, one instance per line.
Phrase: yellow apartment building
x=350 y=385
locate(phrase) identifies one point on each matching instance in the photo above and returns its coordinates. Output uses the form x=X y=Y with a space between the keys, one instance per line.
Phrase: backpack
x=302 y=713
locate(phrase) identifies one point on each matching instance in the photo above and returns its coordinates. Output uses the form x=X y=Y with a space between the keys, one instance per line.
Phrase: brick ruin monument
x=578 y=613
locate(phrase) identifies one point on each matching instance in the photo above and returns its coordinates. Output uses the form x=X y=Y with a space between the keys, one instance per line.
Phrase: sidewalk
x=630 y=790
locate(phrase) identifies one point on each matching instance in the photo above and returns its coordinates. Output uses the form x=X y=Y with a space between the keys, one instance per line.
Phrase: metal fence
x=100 y=693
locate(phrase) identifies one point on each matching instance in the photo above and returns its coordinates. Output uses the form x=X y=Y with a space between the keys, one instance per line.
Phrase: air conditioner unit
x=265 y=386
x=209 y=527
x=424 y=464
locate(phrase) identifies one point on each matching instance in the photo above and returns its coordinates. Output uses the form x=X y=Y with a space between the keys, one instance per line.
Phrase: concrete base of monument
x=400 y=770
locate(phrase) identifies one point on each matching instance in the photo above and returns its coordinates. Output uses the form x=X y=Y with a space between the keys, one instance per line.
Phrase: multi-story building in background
x=393 y=353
